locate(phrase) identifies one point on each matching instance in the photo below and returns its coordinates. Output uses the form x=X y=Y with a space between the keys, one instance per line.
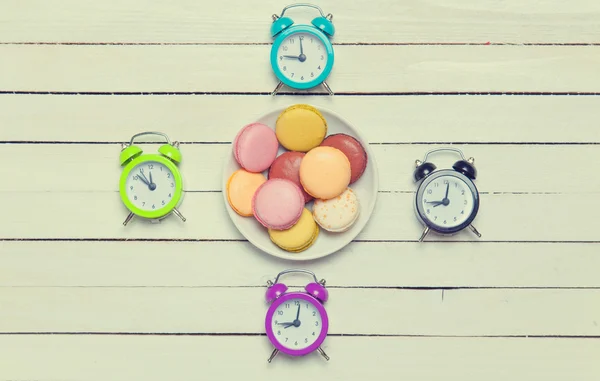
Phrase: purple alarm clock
x=296 y=322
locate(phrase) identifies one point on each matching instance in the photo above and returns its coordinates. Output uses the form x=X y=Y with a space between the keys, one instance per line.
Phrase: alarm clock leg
x=326 y=86
x=279 y=86
x=129 y=217
x=424 y=234
x=322 y=352
x=478 y=234
x=275 y=352
x=178 y=214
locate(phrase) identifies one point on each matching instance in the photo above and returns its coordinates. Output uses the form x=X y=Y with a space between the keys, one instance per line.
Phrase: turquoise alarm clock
x=302 y=55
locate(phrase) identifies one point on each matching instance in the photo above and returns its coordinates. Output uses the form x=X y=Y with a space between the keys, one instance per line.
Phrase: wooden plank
x=183 y=264
x=351 y=311
x=479 y=119
x=100 y=358
x=529 y=168
x=503 y=217
x=188 y=21
x=210 y=68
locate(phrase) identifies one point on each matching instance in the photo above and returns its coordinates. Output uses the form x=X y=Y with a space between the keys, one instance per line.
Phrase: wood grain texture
x=513 y=84
x=401 y=265
x=358 y=69
x=381 y=21
x=202 y=165
x=381 y=119
x=351 y=311
x=99 y=215
x=98 y=358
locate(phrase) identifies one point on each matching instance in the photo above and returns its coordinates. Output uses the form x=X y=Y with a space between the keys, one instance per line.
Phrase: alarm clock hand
x=294 y=57
x=447 y=189
x=152 y=186
x=142 y=177
x=298 y=314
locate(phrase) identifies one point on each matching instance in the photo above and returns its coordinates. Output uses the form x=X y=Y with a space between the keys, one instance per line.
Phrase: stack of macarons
x=315 y=168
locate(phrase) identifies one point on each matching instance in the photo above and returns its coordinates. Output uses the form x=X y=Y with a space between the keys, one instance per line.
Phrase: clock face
x=297 y=324
x=150 y=186
x=302 y=58
x=447 y=201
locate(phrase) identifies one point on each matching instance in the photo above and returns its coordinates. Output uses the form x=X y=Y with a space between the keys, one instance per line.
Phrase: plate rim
x=371 y=161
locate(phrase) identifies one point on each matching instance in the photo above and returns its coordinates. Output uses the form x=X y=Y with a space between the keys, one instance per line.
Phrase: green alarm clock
x=151 y=185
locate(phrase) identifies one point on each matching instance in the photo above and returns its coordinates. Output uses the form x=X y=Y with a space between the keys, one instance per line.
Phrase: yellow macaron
x=300 y=128
x=299 y=237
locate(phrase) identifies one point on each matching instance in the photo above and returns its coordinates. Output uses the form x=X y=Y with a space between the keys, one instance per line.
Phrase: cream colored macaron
x=337 y=214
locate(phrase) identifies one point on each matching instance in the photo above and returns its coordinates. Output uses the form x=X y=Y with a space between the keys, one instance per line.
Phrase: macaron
x=241 y=187
x=325 y=172
x=300 y=128
x=337 y=214
x=354 y=151
x=299 y=237
x=277 y=204
x=255 y=147
x=287 y=166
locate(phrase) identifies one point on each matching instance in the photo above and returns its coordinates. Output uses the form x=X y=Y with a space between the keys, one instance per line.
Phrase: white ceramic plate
x=327 y=243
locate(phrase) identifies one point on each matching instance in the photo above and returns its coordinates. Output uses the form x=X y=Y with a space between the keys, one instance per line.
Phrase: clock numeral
x=462 y=212
x=287 y=305
x=291 y=41
x=285 y=48
x=275 y=321
x=136 y=177
x=153 y=206
x=302 y=37
x=150 y=166
x=445 y=182
x=435 y=218
x=302 y=78
x=160 y=168
x=436 y=184
x=131 y=187
x=313 y=333
x=279 y=312
x=462 y=192
x=429 y=191
x=135 y=197
x=172 y=185
x=293 y=75
x=318 y=47
x=279 y=332
x=143 y=203
x=280 y=58
x=168 y=175
x=428 y=211
x=319 y=67
x=296 y=343
x=286 y=339
x=163 y=202
x=296 y=302
x=312 y=74
x=444 y=222
x=306 y=340
x=455 y=185
x=454 y=218
x=170 y=195
x=314 y=313
x=307 y=305
x=284 y=68
x=322 y=57
x=465 y=202
x=311 y=40
x=316 y=323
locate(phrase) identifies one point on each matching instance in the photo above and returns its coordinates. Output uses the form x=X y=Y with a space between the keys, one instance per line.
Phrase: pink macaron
x=278 y=204
x=255 y=147
x=287 y=166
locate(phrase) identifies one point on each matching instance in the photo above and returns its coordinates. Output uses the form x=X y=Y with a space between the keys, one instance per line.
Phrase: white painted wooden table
x=516 y=84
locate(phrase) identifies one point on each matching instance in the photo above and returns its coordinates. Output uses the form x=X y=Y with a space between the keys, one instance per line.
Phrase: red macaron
x=287 y=166
x=353 y=150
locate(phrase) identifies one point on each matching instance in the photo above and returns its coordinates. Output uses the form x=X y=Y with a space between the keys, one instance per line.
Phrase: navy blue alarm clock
x=302 y=55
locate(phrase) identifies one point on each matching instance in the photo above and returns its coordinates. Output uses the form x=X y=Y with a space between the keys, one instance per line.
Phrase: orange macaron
x=241 y=187
x=325 y=172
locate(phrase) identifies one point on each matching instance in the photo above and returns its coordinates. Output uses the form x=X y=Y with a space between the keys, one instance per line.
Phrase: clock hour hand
x=294 y=57
x=142 y=177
